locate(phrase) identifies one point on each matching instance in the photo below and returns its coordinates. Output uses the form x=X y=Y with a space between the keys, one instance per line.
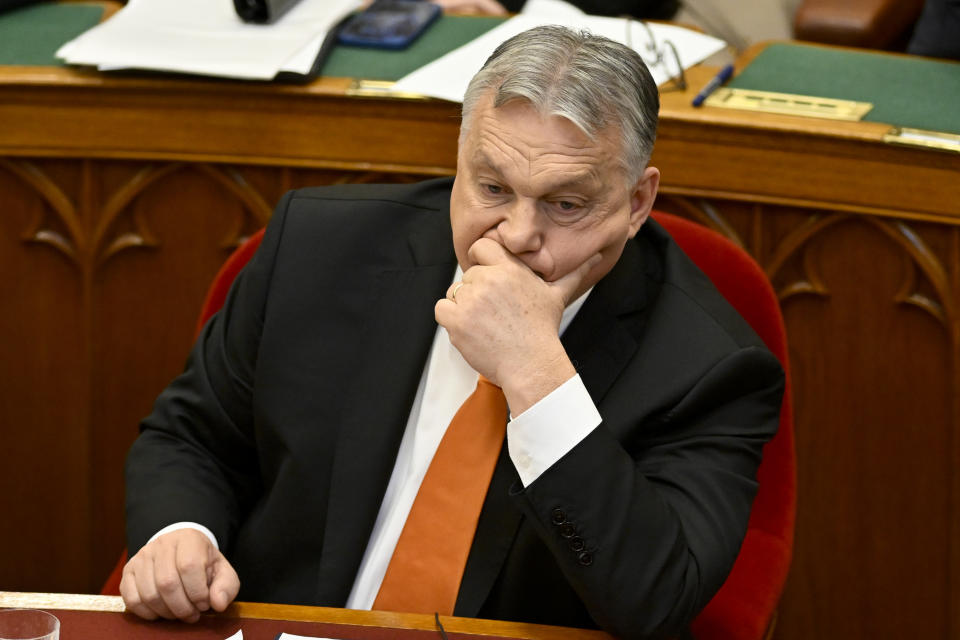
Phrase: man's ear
x=642 y=195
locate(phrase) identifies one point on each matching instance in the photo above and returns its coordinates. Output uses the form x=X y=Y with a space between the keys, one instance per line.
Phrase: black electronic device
x=389 y=24
x=262 y=11
x=10 y=5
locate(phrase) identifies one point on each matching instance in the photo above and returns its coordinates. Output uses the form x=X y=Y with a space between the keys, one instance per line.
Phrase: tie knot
x=492 y=396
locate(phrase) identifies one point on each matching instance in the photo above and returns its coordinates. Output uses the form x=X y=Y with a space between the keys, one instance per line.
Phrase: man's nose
x=520 y=230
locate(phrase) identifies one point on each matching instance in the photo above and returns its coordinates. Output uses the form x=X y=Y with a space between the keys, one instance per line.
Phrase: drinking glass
x=28 y=624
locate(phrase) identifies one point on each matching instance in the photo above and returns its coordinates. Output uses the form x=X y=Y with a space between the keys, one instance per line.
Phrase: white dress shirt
x=536 y=439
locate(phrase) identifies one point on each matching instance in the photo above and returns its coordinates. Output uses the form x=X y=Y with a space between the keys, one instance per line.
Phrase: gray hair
x=590 y=80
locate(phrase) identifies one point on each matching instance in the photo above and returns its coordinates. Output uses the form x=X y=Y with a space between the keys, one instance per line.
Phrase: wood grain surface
x=267 y=620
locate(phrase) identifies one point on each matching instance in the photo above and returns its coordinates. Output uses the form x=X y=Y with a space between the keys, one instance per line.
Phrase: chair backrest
x=217 y=293
x=872 y=24
x=745 y=606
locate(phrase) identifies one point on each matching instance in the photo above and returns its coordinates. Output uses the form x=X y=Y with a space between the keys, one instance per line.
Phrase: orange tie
x=425 y=571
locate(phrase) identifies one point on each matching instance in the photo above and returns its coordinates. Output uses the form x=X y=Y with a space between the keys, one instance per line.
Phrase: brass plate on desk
x=790 y=104
x=923 y=138
x=379 y=89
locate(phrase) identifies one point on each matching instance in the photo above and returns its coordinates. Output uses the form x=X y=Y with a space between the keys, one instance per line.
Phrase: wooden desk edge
x=296 y=613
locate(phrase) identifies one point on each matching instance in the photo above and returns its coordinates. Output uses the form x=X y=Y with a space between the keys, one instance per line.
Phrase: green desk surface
x=32 y=35
x=906 y=91
x=443 y=36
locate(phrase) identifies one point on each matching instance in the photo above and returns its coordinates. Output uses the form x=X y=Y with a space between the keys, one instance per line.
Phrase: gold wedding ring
x=453 y=294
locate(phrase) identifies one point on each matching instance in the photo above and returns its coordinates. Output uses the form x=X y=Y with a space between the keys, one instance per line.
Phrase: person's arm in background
x=481 y=7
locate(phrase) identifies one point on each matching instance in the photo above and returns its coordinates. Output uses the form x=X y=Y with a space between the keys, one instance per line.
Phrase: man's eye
x=493 y=189
x=567 y=206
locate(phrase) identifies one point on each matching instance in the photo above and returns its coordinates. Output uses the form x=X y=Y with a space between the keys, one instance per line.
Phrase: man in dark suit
x=937 y=32
x=287 y=456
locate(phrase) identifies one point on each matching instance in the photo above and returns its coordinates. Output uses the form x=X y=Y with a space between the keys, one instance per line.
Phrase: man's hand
x=481 y=7
x=178 y=576
x=504 y=319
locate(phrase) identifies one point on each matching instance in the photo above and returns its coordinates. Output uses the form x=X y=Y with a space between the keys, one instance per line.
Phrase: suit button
x=576 y=543
x=558 y=516
x=585 y=558
x=568 y=530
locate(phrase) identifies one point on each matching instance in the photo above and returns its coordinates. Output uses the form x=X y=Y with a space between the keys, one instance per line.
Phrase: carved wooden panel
x=871 y=311
x=105 y=266
x=43 y=466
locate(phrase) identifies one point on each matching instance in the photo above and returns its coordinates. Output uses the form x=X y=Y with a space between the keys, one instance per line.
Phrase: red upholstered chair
x=216 y=295
x=745 y=607
x=872 y=24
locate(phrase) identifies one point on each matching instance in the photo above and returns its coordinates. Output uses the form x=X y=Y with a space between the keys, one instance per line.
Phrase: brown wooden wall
x=106 y=265
x=120 y=198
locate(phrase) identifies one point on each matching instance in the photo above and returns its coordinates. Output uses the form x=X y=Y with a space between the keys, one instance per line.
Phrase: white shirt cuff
x=186 y=525
x=545 y=432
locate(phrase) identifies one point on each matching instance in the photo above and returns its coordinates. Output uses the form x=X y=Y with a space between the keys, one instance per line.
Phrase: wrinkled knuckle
x=131 y=597
x=151 y=599
x=167 y=583
x=182 y=611
x=190 y=564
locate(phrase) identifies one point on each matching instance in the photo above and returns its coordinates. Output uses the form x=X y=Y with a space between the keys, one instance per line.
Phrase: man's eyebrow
x=580 y=180
x=481 y=158
x=577 y=180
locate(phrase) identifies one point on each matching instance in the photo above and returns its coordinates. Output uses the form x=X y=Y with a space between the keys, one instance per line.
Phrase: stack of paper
x=206 y=37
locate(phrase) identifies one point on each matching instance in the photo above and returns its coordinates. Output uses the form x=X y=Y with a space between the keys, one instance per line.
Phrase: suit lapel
x=603 y=337
x=398 y=335
x=600 y=341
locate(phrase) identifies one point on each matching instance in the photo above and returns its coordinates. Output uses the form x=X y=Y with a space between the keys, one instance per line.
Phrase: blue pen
x=713 y=85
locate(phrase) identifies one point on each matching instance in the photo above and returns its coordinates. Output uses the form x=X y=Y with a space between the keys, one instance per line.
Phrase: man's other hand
x=480 y=7
x=178 y=576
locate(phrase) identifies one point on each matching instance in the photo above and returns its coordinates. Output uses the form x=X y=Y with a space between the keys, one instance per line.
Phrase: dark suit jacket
x=281 y=434
x=937 y=32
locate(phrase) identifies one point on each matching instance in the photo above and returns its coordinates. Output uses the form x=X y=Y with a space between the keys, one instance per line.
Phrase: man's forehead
x=486 y=112
x=490 y=144
x=576 y=169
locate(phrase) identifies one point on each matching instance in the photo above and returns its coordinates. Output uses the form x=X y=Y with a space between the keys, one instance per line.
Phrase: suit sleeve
x=646 y=521
x=195 y=457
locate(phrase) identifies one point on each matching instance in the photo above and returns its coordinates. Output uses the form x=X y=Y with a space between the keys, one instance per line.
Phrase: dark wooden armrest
x=877 y=24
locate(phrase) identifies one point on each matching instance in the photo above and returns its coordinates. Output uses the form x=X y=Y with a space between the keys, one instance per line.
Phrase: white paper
x=237 y=636
x=448 y=76
x=206 y=37
x=290 y=636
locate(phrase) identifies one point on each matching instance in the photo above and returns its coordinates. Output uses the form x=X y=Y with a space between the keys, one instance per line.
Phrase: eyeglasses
x=664 y=56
